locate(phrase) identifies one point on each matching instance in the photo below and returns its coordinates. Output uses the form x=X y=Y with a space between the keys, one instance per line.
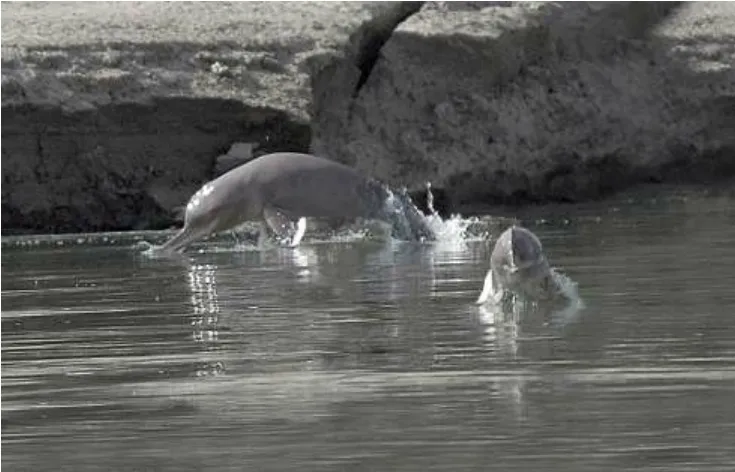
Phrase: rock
x=242 y=151
x=115 y=112
x=239 y=154
x=516 y=101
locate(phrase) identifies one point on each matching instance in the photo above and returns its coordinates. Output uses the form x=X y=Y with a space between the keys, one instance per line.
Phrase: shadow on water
x=354 y=353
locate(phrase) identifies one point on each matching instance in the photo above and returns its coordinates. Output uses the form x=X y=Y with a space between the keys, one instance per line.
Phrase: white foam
x=453 y=230
x=569 y=289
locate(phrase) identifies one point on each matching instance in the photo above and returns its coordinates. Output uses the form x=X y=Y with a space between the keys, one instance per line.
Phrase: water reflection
x=206 y=308
x=500 y=331
x=369 y=355
x=305 y=261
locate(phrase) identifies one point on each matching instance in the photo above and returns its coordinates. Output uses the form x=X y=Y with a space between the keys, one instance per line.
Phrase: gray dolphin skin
x=518 y=266
x=282 y=189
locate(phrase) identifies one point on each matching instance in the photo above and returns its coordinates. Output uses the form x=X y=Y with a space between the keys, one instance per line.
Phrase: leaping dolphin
x=282 y=189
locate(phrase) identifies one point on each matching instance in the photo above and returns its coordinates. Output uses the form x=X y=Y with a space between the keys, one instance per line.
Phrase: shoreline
x=553 y=213
x=115 y=116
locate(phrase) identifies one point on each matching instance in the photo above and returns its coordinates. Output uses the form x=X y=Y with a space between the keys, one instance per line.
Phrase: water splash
x=559 y=312
x=145 y=248
x=360 y=230
x=454 y=230
x=569 y=290
x=567 y=286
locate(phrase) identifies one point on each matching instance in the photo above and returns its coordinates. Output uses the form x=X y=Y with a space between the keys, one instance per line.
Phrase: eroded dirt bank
x=114 y=116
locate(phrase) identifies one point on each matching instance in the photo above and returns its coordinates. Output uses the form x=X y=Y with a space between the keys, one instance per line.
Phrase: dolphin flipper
x=299 y=233
x=490 y=291
x=289 y=231
x=487 y=288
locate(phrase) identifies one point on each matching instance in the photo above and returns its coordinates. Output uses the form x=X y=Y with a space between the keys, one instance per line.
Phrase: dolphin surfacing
x=518 y=266
x=282 y=189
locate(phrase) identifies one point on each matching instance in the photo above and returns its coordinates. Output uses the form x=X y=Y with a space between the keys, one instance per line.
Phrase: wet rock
x=518 y=102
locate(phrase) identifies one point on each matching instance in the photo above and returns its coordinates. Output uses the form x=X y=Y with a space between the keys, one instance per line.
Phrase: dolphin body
x=518 y=266
x=282 y=189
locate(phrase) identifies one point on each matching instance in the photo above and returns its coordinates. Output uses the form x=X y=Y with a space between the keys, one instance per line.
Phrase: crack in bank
x=376 y=34
x=39 y=169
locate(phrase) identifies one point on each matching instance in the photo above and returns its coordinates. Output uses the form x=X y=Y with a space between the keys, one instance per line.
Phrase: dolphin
x=518 y=266
x=282 y=189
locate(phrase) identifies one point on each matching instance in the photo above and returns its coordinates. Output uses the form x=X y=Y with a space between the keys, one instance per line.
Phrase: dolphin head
x=531 y=271
x=525 y=249
x=519 y=263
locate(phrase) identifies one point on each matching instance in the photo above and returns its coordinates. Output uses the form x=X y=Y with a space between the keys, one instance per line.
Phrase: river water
x=356 y=353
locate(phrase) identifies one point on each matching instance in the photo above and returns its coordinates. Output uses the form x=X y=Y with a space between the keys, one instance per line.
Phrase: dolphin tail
x=396 y=207
x=418 y=225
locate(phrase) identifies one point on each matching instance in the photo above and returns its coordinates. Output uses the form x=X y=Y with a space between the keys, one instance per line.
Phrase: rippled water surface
x=363 y=354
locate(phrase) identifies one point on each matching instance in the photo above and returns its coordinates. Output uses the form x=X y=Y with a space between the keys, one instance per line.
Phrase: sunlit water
x=353 y=352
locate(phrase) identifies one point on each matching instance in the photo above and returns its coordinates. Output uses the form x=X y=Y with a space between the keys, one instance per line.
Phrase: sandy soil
x=81 y=55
